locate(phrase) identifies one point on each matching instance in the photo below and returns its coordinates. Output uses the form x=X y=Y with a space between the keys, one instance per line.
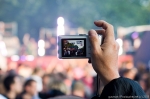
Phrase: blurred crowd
x=25 y=82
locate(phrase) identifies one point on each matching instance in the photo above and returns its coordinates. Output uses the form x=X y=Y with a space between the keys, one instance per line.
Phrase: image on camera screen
x=73 y=47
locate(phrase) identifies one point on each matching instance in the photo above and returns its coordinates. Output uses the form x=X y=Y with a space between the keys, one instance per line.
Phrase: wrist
x=108 y=78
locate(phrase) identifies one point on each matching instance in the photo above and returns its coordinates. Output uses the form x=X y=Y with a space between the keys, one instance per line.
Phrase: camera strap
x=98 y=86
x=97 y=96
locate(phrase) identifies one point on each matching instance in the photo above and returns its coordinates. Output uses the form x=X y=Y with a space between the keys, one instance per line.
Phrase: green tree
x=31 y=15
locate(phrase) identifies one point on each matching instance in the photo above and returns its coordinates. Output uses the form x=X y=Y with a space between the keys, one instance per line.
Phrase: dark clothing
x=50 y=94
x=123 y=88
x=66 y=97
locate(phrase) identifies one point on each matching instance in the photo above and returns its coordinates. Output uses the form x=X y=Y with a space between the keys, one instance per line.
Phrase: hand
x=104 y=58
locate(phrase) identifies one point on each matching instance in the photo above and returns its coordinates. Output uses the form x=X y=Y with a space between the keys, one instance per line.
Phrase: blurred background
x=28 y=42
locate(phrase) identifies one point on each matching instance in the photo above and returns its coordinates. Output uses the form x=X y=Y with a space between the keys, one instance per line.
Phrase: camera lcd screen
x=73 y=47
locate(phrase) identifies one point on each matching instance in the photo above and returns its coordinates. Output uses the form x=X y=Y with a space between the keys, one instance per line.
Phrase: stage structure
x=49 y=35
x=136 y=43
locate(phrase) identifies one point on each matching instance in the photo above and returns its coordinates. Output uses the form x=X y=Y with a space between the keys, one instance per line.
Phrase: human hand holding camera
x=104 y=58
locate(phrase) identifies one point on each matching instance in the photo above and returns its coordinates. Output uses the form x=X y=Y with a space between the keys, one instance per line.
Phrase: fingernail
x=91 y=33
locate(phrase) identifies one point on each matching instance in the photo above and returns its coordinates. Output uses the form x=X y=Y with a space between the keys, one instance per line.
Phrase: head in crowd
x=2 y=89
x=30 y=87
x=57 y=87
x=12 y=85
x=37 y=76
x=45 y=82
x=143 y=81
x=78 y=89
x=22 y=70
x=38 y=72
x=141 y=67
x=59 y=76
x=148 y=81
x=130 y=73
x=29 y=90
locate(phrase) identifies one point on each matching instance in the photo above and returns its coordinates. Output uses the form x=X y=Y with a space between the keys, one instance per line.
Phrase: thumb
x=94 y=40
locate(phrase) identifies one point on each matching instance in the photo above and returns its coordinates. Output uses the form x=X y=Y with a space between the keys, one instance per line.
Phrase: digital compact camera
x=74 y=46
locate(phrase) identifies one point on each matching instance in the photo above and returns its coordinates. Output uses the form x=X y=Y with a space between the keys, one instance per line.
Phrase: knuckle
x=115 y=46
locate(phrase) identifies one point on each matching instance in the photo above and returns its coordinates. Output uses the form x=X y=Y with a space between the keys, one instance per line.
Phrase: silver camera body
x=74 y=46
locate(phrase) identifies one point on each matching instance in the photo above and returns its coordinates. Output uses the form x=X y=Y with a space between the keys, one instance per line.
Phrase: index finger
x=109 y=30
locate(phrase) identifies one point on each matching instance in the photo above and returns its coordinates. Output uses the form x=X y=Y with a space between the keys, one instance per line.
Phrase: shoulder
x=122 y=81
x=123 y=86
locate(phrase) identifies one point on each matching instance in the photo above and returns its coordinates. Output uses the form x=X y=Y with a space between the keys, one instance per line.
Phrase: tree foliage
x=31 y=15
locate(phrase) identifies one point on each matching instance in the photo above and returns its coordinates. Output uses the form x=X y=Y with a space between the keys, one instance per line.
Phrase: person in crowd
x=143 y=80
x=142 y=83
x=88 y=82
x=51 y=87
x=22 y=70
x=65 y=52
x=12 y=85
x=76 y=53
x=130 y=73
x=45 y=82
x=148 y=85
x=69 y=52
x=29 y=90
x=78 y=89
x=37 y=76
x=2 y=91
x=141 y=67
x=57 y=88
x=104 y=59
